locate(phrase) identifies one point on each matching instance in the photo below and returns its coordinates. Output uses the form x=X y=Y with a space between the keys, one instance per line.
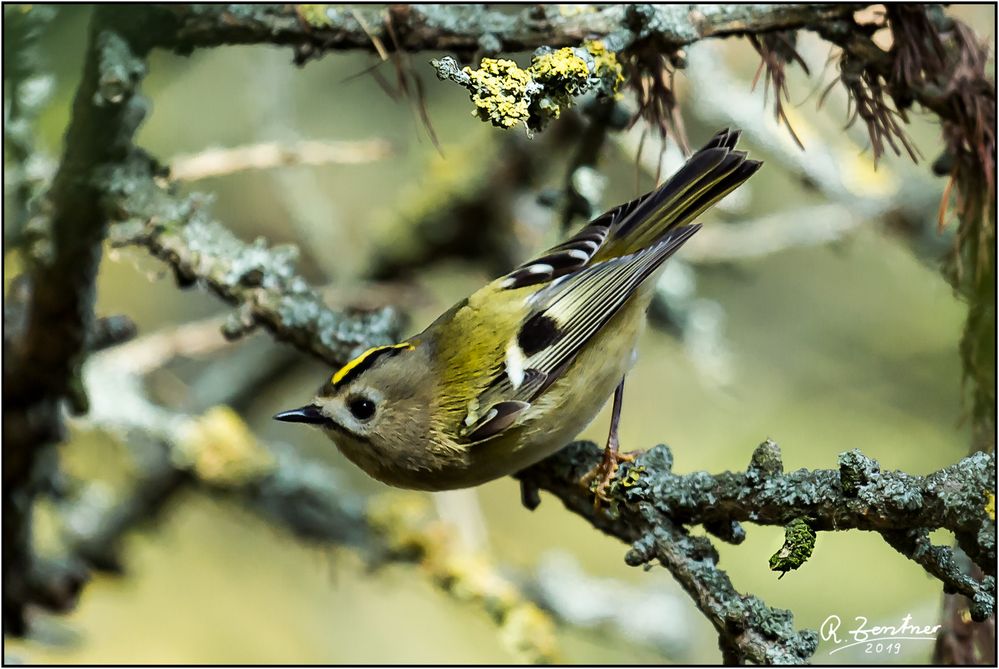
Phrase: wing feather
x=573 y=254
x=579 y=305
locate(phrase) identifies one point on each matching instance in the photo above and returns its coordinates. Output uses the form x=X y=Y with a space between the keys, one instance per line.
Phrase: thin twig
x=269 y=155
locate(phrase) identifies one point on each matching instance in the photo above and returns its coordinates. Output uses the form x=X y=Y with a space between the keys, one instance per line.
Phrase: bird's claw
x=603 y=474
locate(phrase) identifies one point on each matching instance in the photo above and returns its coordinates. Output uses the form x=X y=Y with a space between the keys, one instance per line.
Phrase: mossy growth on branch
x=507 y=95
x=799 y=541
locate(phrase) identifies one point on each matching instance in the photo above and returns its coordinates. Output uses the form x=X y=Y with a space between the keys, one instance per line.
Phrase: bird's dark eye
x=361 y=407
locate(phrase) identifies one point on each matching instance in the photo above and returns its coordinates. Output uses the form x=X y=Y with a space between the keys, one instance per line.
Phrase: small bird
x=512 y=373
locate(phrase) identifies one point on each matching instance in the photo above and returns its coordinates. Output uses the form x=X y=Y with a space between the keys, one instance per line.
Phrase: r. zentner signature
x=878 y=638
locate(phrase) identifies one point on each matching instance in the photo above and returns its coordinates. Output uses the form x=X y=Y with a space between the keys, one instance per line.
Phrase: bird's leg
x=604 y=471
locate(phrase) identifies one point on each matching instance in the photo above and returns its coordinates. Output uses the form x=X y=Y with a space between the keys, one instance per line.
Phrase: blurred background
x=811 y=311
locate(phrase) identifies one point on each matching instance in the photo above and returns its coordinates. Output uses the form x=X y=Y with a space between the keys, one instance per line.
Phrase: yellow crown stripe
x=353 y=364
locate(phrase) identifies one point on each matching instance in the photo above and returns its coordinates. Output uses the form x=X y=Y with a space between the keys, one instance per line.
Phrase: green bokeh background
x=837 y=347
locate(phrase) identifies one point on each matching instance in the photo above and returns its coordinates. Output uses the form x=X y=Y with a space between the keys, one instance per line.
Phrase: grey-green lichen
x=777 y=625
x=672 y=20
x=260 y=279
x=856 y=470
x=766 y=460
x=951 y=567
x=507 y=95
x=799 y=542
x=120 y=69
x=657 y=503
x=858 y=495
x=953 y=498
x=730 y=531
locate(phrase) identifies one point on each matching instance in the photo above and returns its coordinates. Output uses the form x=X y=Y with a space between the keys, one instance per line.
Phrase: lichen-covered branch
x=858 y=495
x=943 y=564
x=961 y=640
x=506 y=95
x=259 y=279
x=468 y=28
x=100 y=175
x=106 y=113
x=940 y=63
x=575 y=47
x=44 y=353
x=748 y=629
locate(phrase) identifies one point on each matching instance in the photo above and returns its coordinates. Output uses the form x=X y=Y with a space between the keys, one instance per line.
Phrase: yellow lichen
x=990 y=505
x=561 y=75
x=314 y=15
x=857 y=171
x=221 y=449
x=500 y=92
x=608 y=68
x=507 y=95
x=562 y=69
x=528 y=631
x=633 y=476
x=410 y=527
x=401 y=519
x=575 y=10
x=471 y=577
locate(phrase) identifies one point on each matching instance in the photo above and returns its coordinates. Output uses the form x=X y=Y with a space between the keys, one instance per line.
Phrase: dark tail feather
x=709 y=175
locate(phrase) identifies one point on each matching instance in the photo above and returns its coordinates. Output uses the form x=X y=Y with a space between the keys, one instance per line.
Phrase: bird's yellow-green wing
x=561 y=319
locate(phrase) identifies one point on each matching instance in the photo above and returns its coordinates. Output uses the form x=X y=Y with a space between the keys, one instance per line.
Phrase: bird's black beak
x=308 y=414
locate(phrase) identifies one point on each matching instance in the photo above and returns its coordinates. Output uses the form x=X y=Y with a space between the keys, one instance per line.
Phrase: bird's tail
x=709 y=175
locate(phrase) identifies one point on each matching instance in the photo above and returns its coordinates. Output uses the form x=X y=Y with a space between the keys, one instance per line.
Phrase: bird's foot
x=600 y=477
